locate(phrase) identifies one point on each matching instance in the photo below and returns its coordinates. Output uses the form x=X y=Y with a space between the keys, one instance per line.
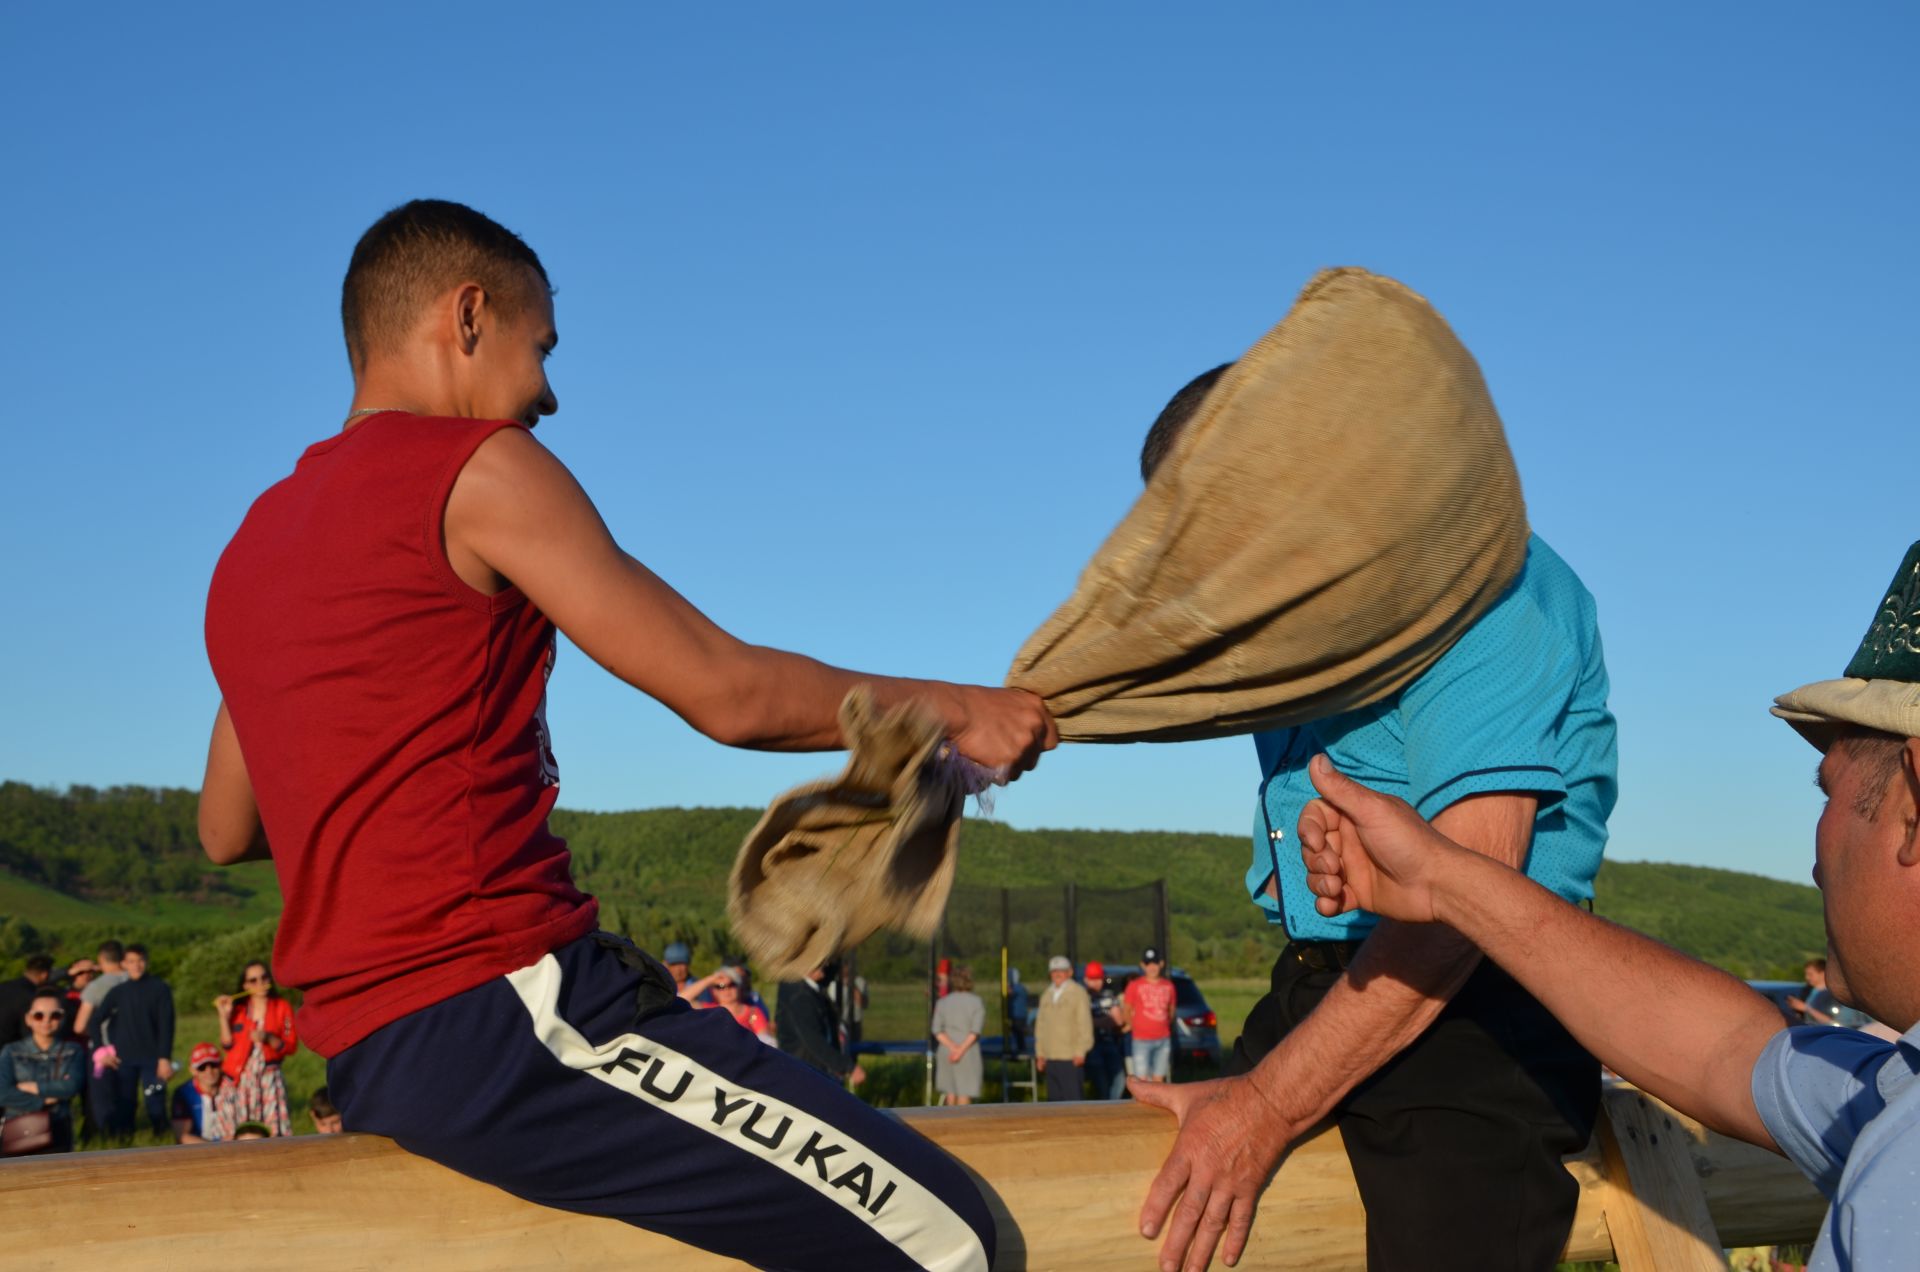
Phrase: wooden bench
x=1657 y=1193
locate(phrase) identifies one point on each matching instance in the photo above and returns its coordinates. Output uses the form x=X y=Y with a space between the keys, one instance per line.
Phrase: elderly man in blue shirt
x=1843 y=1105
x=1455 y=1092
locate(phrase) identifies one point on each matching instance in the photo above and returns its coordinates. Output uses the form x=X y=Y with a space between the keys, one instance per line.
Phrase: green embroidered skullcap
x=1881 y=686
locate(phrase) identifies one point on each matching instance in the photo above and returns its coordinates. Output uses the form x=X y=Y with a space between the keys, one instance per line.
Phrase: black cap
x=1151 y=955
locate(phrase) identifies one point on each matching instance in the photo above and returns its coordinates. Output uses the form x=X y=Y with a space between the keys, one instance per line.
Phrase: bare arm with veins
x=1234 y=1130
x=1673 y=1026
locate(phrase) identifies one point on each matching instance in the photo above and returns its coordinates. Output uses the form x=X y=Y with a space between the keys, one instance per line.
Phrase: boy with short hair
x=382 y=627
x=326 y=1118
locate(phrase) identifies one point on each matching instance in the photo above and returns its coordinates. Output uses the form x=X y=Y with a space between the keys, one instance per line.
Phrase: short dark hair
x=40 y=963
x=112 y=951
x=414 y=253
x=136 y=948
x=320 y=1104
x=47 y=991
x=1174 y=416
x=1878 y=755
x=1816 y=965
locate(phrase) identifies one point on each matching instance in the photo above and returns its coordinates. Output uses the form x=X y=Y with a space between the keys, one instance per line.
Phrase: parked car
x=1196 y=1030
x=1823 y=1005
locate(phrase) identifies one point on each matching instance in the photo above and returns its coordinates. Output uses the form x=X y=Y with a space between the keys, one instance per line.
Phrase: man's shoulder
x=97 y=990
x=1546 y=592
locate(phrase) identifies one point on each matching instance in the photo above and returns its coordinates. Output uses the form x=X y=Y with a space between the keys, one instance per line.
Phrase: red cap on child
x=203 y=1053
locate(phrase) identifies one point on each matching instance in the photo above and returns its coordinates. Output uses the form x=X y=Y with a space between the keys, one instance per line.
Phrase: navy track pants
x=583 y=1082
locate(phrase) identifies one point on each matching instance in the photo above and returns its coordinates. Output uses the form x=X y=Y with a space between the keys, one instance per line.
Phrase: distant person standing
x=1107 y=1062
x=39 y=1072
x=137 y=1018
x=957 y=1021
x=108 y=974
x=1149 y=1015
x=729 y=995
x=1815 y=973
x=17 y=993
x=808 y=1028
x=203 y=1109
x=257 y=1032
x=80 y=974
x=1063 y=1034
x=1019 y=1012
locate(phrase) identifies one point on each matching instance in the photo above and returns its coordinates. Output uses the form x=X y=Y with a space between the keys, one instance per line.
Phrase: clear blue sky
x=865 y=306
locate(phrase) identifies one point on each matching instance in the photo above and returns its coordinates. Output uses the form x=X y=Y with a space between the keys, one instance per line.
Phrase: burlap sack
x=1339 y=509
x=833 y=861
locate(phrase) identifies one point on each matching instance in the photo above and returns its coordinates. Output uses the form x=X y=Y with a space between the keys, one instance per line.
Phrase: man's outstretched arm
x=517 y=511
x=1402 y=978
x=1673 y=1026
x=1233 y=1131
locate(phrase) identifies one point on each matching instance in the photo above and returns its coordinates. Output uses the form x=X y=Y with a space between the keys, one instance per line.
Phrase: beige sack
x=833 y=861
x=1338 y=511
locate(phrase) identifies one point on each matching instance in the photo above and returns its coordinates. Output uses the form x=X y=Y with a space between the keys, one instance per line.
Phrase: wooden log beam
x=1065 y=1182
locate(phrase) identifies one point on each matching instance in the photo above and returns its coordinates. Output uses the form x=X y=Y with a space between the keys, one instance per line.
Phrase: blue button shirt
x=1845 y=1107
x=1518 y=704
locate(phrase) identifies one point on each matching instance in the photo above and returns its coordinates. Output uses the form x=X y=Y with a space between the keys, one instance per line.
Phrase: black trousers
x=1456 y=1142
x=1064 y=1081
x=136 y=1083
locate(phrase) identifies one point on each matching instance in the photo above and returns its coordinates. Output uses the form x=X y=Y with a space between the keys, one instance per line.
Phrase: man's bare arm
x=1673 y=1026
x=230 y=828
x=1233 y=1130
x=516 y=511
x=1402 y=978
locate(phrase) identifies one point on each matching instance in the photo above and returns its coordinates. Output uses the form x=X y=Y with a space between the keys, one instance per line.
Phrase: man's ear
x=1909 y=783
x=469 y=315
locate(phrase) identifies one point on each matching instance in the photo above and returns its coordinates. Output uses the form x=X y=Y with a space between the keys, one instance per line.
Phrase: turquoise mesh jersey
x=1518 y=704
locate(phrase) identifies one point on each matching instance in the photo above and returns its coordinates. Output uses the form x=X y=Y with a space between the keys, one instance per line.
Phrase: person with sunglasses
x=203 y=1109
x=256 y=1028
x=40 y=1071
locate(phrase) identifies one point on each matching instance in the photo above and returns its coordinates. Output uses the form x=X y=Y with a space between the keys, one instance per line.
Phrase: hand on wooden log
x=1231 y=1139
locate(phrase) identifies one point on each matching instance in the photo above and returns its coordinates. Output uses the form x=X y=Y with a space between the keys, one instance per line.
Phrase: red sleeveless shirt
x=393 y=723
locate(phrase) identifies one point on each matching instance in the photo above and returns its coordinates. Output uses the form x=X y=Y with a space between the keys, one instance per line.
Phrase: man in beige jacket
x=1063 y=1034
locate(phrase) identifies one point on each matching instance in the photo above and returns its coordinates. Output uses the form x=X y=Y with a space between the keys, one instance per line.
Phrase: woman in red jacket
x=256 y=1029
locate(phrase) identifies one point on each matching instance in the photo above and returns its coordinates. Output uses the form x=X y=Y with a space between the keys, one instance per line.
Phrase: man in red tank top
x=382 y=628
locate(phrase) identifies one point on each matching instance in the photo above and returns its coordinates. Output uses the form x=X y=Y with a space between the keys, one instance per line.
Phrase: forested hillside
x=83 y=863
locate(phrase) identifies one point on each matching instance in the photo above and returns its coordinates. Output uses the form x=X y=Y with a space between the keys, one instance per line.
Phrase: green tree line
x=85 y=863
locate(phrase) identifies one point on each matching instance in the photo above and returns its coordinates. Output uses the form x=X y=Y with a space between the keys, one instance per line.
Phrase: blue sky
x=865 y=307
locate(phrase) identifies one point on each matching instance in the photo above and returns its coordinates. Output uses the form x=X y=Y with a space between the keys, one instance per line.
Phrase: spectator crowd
x=87 y=1056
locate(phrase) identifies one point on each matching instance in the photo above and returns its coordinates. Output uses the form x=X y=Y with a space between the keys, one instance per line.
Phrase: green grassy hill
x=85 y=863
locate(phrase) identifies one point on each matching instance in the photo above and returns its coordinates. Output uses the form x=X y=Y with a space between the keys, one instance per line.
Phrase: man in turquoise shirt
x=1842 y=1104
x=1455 y=1092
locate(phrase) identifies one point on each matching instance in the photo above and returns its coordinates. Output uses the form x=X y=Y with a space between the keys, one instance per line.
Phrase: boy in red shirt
x=382 y=627
x=1149 y=1000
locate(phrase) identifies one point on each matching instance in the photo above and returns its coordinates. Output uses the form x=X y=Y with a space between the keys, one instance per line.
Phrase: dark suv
x=1196 y=1032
